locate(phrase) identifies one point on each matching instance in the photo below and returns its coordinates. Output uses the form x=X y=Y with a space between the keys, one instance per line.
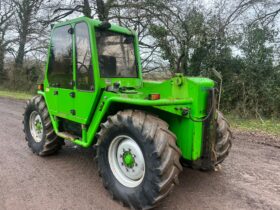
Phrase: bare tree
x=266 y=11
x=6 y=14
x=60 y=10
x=26 y=25
x=88 y=8
x=181 y=27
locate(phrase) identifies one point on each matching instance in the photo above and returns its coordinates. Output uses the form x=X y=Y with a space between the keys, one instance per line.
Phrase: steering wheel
x=82 y=65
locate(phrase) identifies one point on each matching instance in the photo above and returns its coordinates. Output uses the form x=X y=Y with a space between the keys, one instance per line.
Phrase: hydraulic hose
x=210 y=111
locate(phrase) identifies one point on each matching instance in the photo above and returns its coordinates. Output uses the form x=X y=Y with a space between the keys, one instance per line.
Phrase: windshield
x=116 y=54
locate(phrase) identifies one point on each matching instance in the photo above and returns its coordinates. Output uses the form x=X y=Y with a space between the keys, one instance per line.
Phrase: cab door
x=60 y=73
x=85 y=93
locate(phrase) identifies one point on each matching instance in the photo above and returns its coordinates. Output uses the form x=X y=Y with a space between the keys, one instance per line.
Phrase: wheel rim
x=126 y=161
x=36 y=126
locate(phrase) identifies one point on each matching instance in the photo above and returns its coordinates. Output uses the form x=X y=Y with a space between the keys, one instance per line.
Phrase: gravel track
x=249 y=178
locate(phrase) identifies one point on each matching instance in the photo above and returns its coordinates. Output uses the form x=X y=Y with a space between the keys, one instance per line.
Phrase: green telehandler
x=93 y=94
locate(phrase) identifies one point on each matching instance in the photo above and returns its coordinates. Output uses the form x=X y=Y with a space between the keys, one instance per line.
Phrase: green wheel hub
x=128 y=159
x=38 y=126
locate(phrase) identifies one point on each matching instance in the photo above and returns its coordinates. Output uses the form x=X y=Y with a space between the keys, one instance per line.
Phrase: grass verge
x=15 y=94
x=269 y=126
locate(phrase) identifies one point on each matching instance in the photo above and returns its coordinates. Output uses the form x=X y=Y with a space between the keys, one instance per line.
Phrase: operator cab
x=85 y=58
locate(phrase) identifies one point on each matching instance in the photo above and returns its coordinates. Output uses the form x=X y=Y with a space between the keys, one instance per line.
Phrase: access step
x=68 y=136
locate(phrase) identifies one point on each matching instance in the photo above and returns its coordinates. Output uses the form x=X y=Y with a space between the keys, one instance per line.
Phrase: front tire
x=138 y=159
x=38 y=129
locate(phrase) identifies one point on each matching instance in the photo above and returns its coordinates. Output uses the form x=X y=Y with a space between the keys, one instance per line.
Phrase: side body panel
x=187 y=128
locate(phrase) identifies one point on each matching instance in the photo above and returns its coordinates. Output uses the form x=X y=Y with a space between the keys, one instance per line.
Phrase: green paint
x=38 y=126
x=92 y=107
x=128 y=159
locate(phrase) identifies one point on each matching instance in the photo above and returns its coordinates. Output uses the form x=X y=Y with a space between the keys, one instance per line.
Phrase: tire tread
x=52 y=143
x=155 y=132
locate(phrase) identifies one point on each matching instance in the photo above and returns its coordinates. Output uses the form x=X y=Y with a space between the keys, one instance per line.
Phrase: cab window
x=116 y=54
x=60 y=71
x=84 y=71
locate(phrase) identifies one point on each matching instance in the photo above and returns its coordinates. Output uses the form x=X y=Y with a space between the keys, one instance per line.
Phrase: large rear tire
x=221 y=146
x=138 y=159
x=38 y=129
x=224 y=138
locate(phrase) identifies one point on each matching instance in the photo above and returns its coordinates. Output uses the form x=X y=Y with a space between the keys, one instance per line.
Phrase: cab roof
x=95 y=23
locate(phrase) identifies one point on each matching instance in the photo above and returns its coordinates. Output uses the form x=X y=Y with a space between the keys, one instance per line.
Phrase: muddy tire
x=38 y=129
x=224 y=138
x=216 y=147
x=148 y=140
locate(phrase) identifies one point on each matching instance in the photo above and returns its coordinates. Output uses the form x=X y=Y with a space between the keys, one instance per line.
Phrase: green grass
x=270 y=126
x=15 y=94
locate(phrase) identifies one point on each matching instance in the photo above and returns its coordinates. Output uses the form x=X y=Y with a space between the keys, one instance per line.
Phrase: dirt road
x=249 y=179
